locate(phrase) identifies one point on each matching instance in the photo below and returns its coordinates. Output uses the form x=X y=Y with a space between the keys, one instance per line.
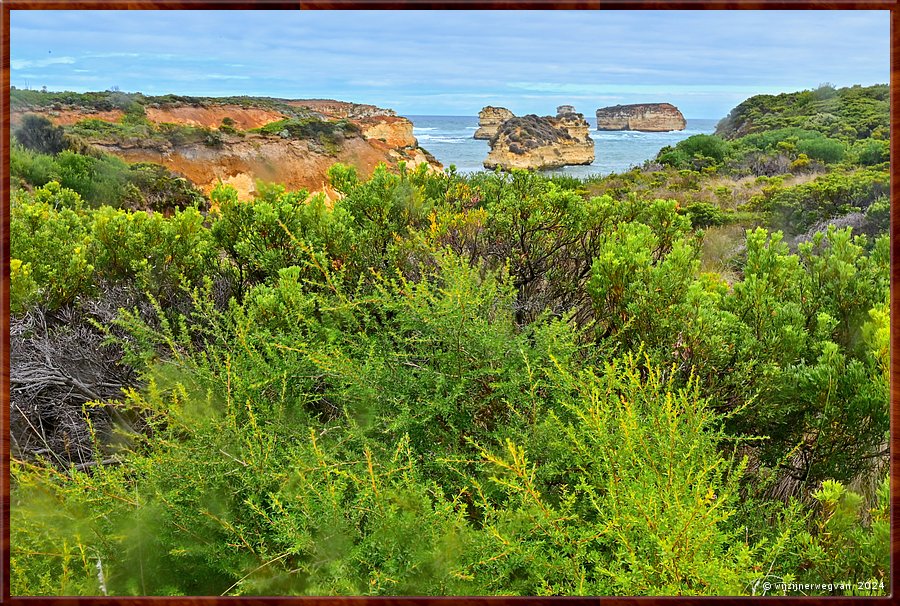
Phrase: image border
x=9 y=5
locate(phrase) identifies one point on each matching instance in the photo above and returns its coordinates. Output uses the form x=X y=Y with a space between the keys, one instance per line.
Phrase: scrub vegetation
x=670 y=381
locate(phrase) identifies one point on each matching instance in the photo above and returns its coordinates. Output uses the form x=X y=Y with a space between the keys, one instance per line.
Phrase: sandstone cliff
x=241 y=161
x=489 y=120
x=532 y=142
x=209 y=141
x=650 y=117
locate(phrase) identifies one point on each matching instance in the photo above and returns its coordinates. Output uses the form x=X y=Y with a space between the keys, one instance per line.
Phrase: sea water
x=449 y=139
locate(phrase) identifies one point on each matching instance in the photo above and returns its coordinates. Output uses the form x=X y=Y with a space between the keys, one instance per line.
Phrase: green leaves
x=440 y=384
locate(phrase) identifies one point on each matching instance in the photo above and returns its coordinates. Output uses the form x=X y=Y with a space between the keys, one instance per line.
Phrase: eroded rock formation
x=240 y=158
x=489 y=120
x=649 y=117
x=533 y=142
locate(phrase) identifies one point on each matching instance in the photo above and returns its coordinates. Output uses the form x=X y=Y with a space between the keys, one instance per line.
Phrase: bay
x=449 y=139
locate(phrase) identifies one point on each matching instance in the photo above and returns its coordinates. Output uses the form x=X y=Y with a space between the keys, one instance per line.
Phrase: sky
x=455 y=62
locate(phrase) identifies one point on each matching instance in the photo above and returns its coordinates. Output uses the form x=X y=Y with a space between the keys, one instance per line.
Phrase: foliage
x=697 y=151
x=870 y=152
x=105 y=179
x=66 y=250
x=848 y=114
x=330 y=133
x=488 y=384
x=38 y=134
x=800 y=206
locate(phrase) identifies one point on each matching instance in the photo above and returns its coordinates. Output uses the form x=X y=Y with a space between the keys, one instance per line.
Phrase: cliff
x=239 y=140
x=649 y=117
x=533 y=142
x=850 y=113
x=241 y=161
x=489 y=120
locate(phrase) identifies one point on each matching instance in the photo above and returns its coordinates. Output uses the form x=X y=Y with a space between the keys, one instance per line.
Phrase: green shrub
x=870 y=152
x=697 y=151
x=825 y=150
x=38 y=134
x=470 y=385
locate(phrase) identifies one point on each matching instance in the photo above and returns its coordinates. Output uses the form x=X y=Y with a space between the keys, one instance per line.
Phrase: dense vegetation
x=37 y=134
x=24 y=99
x=851 y=113
x=666 y=382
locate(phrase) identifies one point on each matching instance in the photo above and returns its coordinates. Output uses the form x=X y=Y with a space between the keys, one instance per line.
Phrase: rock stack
x=648 y=117
x=489 y=120
x=534 y=142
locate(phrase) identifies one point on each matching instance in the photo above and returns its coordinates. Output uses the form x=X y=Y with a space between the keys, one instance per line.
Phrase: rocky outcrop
x=649 y=117
x=240 y=158
x=574 y=123
x=342 y=109
x=393 y=130
x=242 y=161
x=211 y=116
x=489 y=120
x=535 y=143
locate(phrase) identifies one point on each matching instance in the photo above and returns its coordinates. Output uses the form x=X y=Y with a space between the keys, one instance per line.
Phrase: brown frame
x=7 y=5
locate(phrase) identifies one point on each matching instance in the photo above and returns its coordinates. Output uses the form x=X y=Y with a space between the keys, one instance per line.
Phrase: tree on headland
x=38 y=134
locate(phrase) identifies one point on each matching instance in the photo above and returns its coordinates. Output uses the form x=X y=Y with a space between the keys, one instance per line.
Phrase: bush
x=829 y=151
x=696 y=152
x=799 y=207
x=38 y=134
x=442 y=384
x=870 y=152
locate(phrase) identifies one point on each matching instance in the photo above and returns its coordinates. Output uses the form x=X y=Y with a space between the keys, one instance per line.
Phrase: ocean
x=449 y=139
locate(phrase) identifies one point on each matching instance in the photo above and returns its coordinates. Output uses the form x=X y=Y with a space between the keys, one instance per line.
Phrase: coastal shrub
x=160 y=255
x=704 y=214
x=851 y=113
x=92 y=128
x=462 y=384
x=870 y=152
x=696 y=152
x=825 y=150
x=100 y=180
x=845 y=524
x=105 y=179
x=159 y=189
x=183 y=134
x=228 y=126
x=134 y=113
x=29 y=167
x=38 y=134
x=810 y=347
x=278 y=230
x=779 y=139
x=65 y=249
x=800 y=206
x=309 y=128
x=50 y=236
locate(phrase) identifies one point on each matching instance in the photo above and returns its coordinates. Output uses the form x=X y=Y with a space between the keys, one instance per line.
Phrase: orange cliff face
x=241 y=159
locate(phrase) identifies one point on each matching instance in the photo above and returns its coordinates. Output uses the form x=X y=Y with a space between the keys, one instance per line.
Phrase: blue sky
x=455 y=62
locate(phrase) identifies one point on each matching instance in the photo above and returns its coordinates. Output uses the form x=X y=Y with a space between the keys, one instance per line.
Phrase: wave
x=442 y=138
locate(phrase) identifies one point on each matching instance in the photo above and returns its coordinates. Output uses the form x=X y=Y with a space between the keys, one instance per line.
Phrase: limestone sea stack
x=648 y=117
x=534 y=143
x=489 y=120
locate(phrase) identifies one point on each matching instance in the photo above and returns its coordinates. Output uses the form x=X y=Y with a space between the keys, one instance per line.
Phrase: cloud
x=437 y=61
x=26 y=63
x=649 y=89
x=219 y=77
